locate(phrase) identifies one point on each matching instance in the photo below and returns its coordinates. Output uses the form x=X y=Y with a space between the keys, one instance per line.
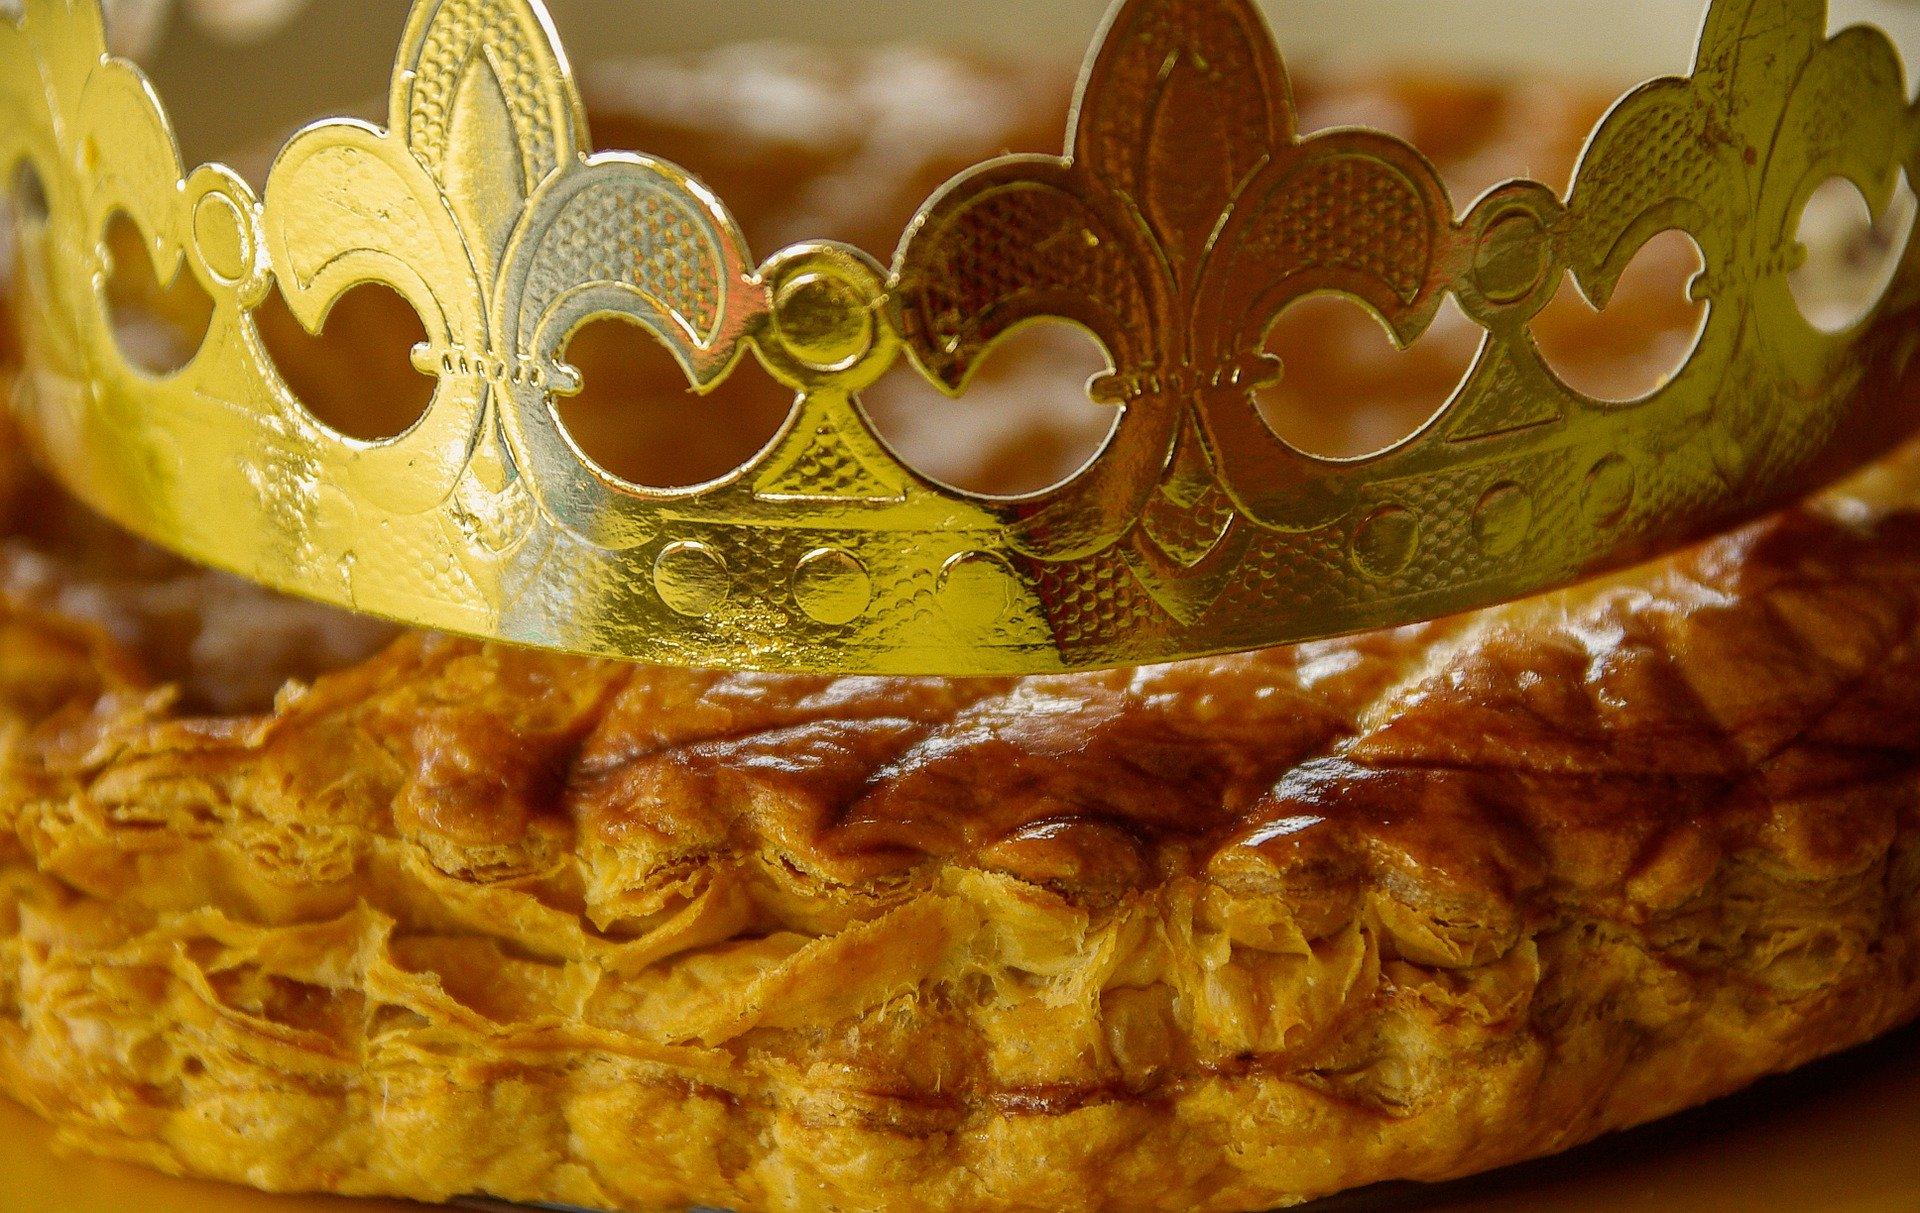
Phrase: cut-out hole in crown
x=1851 y=258
x=636 y=417
x=357 y=375
x=1345 y=390
x=159 y=327
x=1024 y=425
x=1641 y=339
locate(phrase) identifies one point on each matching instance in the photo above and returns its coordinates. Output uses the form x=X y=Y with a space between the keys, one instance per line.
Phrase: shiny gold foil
x=1187 y=213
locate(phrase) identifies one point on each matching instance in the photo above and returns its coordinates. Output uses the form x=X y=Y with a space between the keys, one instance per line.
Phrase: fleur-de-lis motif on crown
x=481 y=206
x=1186 y=215
x=1187 y=212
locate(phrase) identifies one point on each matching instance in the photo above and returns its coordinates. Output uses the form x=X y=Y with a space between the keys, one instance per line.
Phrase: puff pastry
x=1223 y=935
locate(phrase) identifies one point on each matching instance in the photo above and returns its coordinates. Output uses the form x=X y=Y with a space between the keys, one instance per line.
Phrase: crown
x=1186 y=214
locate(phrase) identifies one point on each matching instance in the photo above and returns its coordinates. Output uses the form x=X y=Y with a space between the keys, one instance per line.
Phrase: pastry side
x=1226 y=935
x=1223 y=935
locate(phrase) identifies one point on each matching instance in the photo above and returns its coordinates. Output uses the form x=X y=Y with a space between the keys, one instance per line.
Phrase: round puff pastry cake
x=440 y=918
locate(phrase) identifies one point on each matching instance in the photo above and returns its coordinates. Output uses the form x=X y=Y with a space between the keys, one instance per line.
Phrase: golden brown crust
x=1225 y=934
x=1219 y=935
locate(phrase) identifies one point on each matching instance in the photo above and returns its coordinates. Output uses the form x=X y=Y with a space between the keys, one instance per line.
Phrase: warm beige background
x=340 y=50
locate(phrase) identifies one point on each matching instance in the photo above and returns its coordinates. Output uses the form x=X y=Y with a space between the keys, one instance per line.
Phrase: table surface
x=1835 y=1138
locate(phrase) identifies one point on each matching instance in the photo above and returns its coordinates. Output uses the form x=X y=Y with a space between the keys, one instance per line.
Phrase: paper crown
x=1187 y=213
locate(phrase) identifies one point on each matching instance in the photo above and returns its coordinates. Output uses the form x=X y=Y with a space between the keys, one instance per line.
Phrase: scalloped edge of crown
x=1195 y=531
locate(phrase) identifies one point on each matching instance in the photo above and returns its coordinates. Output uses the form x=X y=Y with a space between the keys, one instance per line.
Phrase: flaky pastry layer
x=1220 y=935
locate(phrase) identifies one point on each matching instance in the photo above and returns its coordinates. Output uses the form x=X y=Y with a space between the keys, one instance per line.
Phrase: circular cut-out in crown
x=1186 y=214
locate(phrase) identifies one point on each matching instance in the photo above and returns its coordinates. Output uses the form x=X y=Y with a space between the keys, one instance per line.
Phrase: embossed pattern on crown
x=1187 y=213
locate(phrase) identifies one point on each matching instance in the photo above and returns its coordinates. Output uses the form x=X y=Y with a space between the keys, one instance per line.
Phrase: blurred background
x=847 y=144
x=343 y=47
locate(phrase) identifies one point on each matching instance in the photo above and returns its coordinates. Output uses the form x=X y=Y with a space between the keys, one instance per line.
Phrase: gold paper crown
x=1186 y=215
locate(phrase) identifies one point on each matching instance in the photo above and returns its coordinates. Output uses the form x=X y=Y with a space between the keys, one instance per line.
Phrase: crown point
x=220 y=232
x=1503 y=519
x=1609 y=491
x=832 y=586
x=1512 y=258
x=1386 y=542
x=976 y=590
x=691 y=579
x=823 y=321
